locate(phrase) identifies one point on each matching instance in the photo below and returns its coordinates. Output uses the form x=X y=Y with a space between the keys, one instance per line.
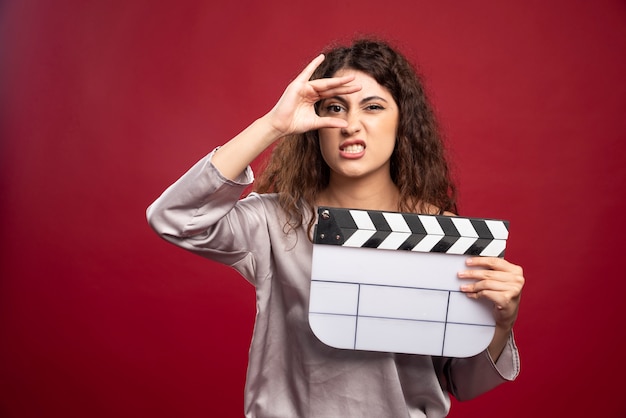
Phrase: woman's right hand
x=295 y=111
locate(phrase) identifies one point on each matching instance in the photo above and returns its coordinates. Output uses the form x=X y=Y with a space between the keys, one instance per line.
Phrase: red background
x=108 y=102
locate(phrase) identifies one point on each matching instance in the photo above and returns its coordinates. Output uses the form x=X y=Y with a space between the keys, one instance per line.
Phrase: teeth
x=354 y=148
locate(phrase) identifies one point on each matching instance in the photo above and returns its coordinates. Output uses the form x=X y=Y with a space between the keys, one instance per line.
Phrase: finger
x=500 y=300
x=493 y=263
x=495 y=285
x=310 y=68
x=328 y=122
x=338 y=91
x=480 y=274
x=321 y=84
x=501 y=293
x=492 y=281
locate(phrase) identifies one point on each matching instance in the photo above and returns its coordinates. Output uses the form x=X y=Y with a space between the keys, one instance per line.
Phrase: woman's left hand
x=498 y=281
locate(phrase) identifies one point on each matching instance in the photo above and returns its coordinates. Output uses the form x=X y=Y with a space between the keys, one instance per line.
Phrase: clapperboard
x=387 y=281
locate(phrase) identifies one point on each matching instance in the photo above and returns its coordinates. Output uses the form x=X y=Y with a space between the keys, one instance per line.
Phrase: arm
x=201 y=212
x=467 y=378
x=294 y=113
x=500 y=282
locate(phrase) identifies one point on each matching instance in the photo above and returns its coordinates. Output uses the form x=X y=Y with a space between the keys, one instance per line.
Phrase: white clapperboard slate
x=387 y=281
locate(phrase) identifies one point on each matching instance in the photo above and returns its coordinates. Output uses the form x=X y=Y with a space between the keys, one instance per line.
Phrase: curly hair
x=297 y=171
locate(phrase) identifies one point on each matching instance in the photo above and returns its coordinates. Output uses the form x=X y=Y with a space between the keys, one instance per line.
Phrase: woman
x=354 y=130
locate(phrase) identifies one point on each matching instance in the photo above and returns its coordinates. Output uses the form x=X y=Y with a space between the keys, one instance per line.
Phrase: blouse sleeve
x=470 y=377
x=202 y=212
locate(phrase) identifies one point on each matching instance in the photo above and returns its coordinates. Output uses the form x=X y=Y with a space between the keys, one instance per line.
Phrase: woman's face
x=362 y=149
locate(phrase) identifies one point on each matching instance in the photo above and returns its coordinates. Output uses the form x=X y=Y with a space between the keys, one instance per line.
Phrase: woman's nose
x=354 y=125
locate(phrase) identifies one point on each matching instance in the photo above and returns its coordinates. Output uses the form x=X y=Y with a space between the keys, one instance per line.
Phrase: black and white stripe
x=411 y=232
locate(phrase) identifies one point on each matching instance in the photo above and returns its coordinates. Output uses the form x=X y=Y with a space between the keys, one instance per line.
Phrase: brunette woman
x=353 y=130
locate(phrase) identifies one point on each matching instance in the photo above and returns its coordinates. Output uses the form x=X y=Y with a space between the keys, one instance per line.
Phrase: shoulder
x=271 y=199
x=268 y=202
x=268 y=205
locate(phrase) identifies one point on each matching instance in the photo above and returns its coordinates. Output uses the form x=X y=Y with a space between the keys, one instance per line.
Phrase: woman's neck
x=357 y=194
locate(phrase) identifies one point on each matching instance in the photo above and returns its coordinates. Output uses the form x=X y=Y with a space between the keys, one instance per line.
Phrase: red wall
x=106 y=103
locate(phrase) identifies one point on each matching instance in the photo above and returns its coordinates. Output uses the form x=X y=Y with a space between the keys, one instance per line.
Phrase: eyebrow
x=365 y=100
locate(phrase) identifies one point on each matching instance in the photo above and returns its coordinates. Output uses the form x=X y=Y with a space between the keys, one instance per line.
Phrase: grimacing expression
x=365 y=146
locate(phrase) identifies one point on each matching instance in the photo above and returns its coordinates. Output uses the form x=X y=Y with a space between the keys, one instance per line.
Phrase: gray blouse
x=290 y=372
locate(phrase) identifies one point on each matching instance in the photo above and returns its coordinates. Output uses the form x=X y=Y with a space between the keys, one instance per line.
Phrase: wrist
x=264 y=132
x=506 y=327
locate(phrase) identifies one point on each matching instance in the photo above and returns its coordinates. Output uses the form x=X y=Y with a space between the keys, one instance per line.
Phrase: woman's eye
x=333 y=108
x=374 y=107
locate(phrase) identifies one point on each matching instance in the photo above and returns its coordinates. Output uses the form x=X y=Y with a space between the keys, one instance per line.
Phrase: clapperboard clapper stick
x=387 y=281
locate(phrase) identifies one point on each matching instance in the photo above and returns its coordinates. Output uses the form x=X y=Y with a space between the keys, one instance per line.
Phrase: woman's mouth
x=353 y=148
